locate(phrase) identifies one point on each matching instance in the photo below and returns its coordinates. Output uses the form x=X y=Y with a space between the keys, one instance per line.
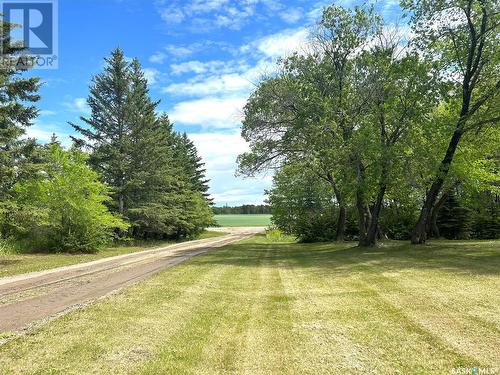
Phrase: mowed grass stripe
x=270 y=339
x=261 y=307
x=364 y=321
x=116 y=334
x=209 y=340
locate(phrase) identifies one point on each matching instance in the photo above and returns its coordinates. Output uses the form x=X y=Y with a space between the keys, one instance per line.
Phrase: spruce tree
x=17 y=112
x=106 y=132
x=454 y=220
x=153 y=175
x=156 y=175
x=193 y=165
x=148 y=141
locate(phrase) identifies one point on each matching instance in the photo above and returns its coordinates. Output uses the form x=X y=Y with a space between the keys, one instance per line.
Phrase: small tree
x=454 y=220
x=62 y=208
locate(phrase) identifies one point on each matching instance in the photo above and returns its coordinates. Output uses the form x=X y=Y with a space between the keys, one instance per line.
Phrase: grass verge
x=259 y=307
x=13 y=264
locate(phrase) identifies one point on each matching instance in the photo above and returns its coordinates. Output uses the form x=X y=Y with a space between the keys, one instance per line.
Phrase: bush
x=274 y=235
x=397 y=222
x=63 y=208
x=486 y=227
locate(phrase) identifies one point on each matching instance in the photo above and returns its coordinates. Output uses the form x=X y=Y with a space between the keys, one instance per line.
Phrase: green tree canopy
x=63 y=207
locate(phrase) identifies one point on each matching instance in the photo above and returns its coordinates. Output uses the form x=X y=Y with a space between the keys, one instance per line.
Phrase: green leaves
x=62 y=208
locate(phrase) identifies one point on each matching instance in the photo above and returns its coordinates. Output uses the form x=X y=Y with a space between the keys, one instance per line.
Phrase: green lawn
x=258 y=307
x=12 y=264
x=243 y=220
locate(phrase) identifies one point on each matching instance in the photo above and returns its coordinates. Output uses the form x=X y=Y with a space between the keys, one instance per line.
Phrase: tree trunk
x=121 y=204
x=363 y=217
x=341 y=224
x=419 y=234
x=361 y=206
x=370 y=239
x=339 y=233
x=433 y=229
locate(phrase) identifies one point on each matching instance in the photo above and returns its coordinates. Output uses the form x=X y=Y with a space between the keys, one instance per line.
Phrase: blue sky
x=202 y=59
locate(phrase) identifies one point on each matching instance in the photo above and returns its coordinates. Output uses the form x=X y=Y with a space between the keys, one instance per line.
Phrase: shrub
x=274 y=235
x=63 y=208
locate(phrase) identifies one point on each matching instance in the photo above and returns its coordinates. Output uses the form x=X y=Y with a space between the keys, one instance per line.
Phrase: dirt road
x=28 y=298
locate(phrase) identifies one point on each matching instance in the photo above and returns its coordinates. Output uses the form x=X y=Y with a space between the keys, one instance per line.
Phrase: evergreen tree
x=148 y=147
x=454 y=220
x=192 y=163
x=156 y=175
x=107 y=130
x=16 y=113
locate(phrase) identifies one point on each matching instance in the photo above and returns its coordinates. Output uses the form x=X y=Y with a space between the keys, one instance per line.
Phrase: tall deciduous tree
x=461 y=38
x=401 y=94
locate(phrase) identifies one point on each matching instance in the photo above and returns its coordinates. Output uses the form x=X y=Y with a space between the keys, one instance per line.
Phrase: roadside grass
x=250 y=220
x=261 y=307
x=12 y=263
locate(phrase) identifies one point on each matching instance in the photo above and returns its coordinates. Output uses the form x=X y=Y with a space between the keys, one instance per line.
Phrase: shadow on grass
x=8 y=262
x=482 y=258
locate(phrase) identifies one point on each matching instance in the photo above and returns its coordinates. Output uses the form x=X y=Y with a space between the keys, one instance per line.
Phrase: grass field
x=243 y=220
x=258 y=307
x=12 y=264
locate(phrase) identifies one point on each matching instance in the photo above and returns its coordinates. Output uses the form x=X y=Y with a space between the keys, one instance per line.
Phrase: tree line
x=382 y=131
x=245 y=209
x=128 y=174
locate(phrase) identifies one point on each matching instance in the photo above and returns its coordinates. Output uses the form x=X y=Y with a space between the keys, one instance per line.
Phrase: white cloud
x=279 y=44
x=158 y=58
x=205 y=6
x=151 y=74
x=234 y=18
x=291 y=15
x=46 y=112
x=219 y=152
x=222 y=79
x=237 y=197
x=178 y=51
x=172 y=15
x=209 y=112
x=78 y=105
x=43 y=133
x=181 y=51
x=202 y=15
x=200 y=67
x=225 y=84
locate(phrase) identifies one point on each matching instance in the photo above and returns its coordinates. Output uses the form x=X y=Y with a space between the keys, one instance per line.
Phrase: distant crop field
x=243 y=220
